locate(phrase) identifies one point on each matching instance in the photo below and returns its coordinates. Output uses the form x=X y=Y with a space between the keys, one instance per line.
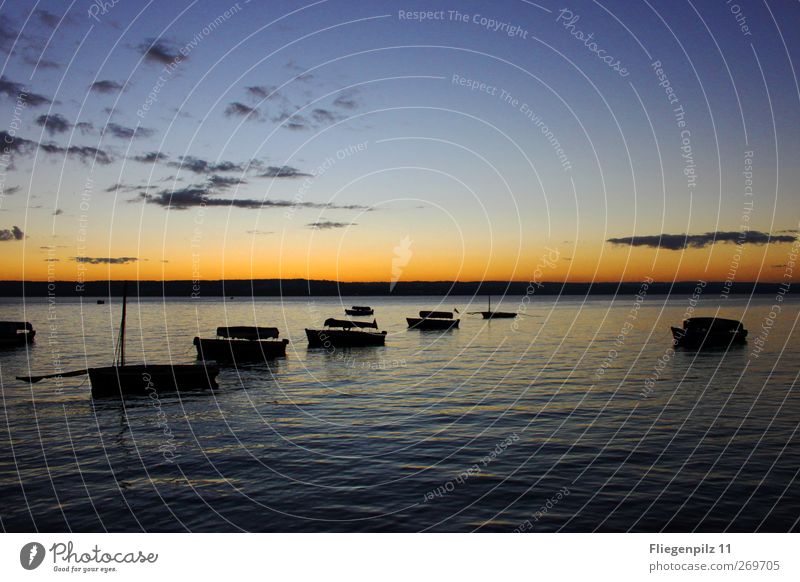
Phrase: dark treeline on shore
x=320 y=288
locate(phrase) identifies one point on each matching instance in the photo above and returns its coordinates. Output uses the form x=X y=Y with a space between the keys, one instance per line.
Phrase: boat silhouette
x=241 y=343
x=346 y=333
x=489 y=314
x=709 y=332
x=433 y=320
x=121 y=379
x=16 y=333
x=360 y=310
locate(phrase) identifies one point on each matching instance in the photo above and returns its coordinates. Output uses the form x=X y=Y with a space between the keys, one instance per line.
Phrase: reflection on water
x=474 y=428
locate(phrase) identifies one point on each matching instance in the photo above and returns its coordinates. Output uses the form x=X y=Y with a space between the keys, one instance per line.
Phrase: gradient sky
x=337 y=140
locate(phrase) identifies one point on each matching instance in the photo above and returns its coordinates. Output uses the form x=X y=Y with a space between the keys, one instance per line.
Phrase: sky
x=377 y=141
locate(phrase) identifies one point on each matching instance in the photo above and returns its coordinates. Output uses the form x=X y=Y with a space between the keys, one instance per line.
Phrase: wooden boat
x=241 y=343
x=489 y=314
x=16 y=333
x=122 y=379
x=342 y=333
x=709 y=332
x=360 y=310
x=433 y=320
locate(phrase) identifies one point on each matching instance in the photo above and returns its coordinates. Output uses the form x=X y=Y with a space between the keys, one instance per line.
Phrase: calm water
x=547 y=426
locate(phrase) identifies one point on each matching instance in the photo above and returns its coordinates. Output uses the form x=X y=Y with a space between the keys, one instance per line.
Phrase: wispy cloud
x=329 y=224
x=14 y=90
x=159 y=51
x=124 y=132
x=237 y=109
x=677 y=242
x=20 y=146
x=282 y=172
x=105 y=86
x=151 y=157
x=54 y=123
x=105 y=260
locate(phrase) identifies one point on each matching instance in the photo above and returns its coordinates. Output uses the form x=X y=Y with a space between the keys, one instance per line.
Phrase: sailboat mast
x=121 y=340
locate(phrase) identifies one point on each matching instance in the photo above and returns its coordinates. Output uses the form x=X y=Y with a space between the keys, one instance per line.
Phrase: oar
x=35 y=379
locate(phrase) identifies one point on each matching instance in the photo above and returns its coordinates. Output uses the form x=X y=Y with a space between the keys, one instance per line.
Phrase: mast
x=490 y=303
x=120 y=359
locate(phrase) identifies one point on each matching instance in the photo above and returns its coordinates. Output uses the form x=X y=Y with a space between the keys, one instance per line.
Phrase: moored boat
x=345 y=333
x=241 y=343
x=709 y=332
x=121 y=379
x=433 y=320
x=358 y=310
x=16 y=333
x=489 y=314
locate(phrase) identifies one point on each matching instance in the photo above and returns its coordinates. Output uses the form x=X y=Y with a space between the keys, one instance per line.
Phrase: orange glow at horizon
x=355 y=261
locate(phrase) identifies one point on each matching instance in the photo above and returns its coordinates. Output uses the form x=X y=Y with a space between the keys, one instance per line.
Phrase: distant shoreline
x=323 y=288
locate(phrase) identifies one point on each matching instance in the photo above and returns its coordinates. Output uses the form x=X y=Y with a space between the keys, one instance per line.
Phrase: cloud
x=237 y=109
x=677 y=242
x=105 y=260
x=14 y=233
x=52 y=260
x=257 y=232
x=10 y=190
x=224 y=182
x=85 y=154
x=84 y=127
x=58 y=212
x=282 y=172
x=54 y=123
x=158 y=51
x=124 y=132
x=327 y=224
x=346 y=100
x=47 y=18
x=325 y=116
x=20 y=145
x=261 y=91
x=8 y=35
x=151 y=157
x=201 y=195
x=200 y=166
x=105 y=86
x=14 y=90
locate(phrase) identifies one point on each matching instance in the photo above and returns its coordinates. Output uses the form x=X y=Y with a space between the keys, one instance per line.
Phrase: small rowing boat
x=360 y=310
x=428 y=320
x=241 y=343
x=343 y=333
x=16 y=333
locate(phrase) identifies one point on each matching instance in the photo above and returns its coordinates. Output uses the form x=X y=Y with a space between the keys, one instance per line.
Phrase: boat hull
x=359 y=312
x=425 y=323
x=324 y=338
x=498 y=315
x=711 y=339
x=144 y=380
x=225 y=350
x=16 y=341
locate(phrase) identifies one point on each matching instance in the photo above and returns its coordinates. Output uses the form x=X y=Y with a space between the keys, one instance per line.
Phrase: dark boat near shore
x=16 y=333
x=122 y=379
x=489 y=314
x=433 y=320
x=709 y=332
x=241 y=343
x=343 y=333
x=360 y=310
